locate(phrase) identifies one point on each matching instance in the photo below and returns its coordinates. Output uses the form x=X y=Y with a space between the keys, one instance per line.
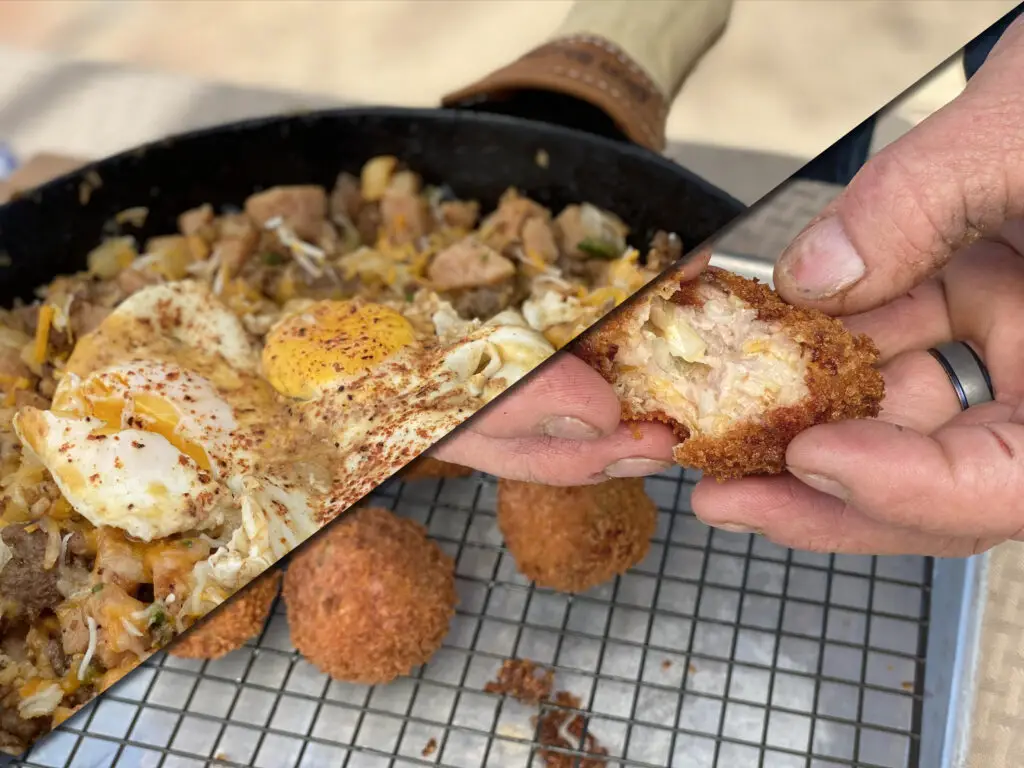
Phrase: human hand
x=561 y=427
x=926 y=245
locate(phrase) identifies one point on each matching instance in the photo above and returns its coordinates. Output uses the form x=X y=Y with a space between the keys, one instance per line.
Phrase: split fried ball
x=572 y=539
x=734 y=370
x=429 y=468
x=233 y=625
x=370 y=598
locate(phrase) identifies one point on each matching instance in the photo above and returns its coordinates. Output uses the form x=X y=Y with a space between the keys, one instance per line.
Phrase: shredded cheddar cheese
x=560 y=335
x=32 y=687
x=42 y=339
x=601 y=296
x=534 y=259
x=60 y=714
x=418 y=267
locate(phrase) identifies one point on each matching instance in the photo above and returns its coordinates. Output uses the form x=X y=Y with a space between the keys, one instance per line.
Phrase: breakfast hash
x=184 y=412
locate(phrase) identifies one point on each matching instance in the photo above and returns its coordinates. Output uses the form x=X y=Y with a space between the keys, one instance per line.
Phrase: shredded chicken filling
x=713 y=366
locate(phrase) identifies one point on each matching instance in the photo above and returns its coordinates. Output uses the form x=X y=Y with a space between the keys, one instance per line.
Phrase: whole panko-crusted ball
x=370 y=598
x=572 y=539
x=429 y=468
x=233 y=625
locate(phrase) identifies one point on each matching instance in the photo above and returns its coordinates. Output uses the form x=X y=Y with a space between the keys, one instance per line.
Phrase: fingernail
x=821 y=483
x=636 y=467
x=822 y=261
x=569 y=428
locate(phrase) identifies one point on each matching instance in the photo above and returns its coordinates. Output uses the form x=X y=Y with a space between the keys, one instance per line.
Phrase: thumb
x=960 y=173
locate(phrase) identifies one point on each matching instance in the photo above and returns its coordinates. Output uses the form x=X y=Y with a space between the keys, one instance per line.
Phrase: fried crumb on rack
x=554 y=724
x=559 y=727
x=519 y=679
x=430 y=748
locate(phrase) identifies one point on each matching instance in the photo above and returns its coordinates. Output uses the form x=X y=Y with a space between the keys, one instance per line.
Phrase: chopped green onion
x=601 y=249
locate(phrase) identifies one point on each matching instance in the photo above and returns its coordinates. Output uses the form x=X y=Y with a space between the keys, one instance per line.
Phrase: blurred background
x=787 y=78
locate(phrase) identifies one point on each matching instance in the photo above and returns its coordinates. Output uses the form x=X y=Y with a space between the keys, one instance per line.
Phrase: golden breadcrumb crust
x=841 y=379
x=572 y=539
x=429 y=468
x=370 y=598
x=231 y=626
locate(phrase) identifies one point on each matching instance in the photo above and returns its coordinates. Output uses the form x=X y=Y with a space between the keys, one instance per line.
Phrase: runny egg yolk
x=149 y=412
x=330 y=343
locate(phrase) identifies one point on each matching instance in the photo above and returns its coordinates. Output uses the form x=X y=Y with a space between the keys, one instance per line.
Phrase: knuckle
x=909 y=196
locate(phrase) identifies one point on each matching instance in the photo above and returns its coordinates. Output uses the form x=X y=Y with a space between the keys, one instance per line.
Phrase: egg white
x=133 y=480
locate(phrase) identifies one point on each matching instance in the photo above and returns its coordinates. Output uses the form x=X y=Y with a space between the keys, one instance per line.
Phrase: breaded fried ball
x=572 y=539
x=370 y=598
x=232 y=626
x=734 y=370
x=429 y=468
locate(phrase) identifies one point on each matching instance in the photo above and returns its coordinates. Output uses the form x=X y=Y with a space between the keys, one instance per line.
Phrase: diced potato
x=376 y=175
x=109 y=258
x=404 y=183
x=175 y=256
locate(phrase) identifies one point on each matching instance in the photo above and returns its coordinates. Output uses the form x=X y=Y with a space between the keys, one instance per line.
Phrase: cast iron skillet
x=50 y=230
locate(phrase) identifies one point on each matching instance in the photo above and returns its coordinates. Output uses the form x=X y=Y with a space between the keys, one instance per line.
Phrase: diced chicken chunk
x=468 y=264
x=585 y=232
x=301 y=207
x=74 y=630
x=12 y=368
x=346 y=199
x=505 y=225
x=666 y=249
x=134 y=280
x=24 y=398
x=539 y=240
x=406 y=216
x=195 y=220
x=239 y=239
x=86 y=316
x=459 y=213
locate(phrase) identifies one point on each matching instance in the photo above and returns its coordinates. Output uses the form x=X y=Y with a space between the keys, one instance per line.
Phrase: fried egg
x=162 y=425
x=169 y=421
x=381 y=395
x=331 y=342
x=140 y=448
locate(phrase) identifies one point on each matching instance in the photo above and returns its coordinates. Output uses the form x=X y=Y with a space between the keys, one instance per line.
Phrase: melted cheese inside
x=713 y=366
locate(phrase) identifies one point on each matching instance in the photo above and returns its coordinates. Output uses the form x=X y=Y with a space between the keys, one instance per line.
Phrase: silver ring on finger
x=966 y=371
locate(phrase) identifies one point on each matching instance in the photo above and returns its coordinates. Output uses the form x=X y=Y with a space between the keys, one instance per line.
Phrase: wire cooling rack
x=719 y=650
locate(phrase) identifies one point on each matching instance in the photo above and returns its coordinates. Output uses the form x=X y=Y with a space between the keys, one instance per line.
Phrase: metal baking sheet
x=718 y=650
